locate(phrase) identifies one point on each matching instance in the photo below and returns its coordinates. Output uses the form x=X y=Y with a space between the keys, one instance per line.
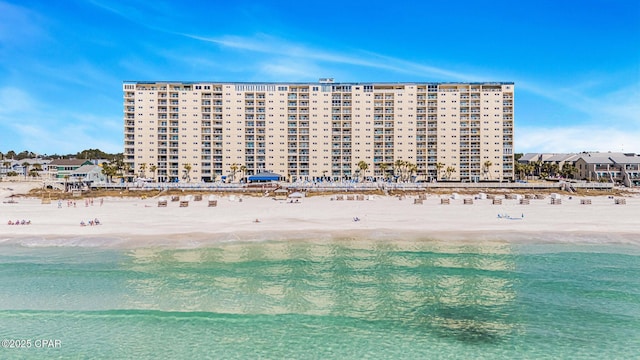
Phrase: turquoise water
x=337 y=299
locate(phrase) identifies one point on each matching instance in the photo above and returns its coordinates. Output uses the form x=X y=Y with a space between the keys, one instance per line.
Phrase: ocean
x=342 y=298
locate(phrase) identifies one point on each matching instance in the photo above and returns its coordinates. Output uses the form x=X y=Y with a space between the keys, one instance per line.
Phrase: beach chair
x=417 y=201
x=175 y=198
x=162 y=203
x=444 y=202
x=46 y=200
x=497 y=201
x=184 y=203
x=620 y=201
x=524 y=201
x=467 y=201
x=197 y=198
x=213 y=203
x=585 y=201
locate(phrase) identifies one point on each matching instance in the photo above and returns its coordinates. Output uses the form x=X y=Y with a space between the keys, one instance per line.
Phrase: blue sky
x=576 y=63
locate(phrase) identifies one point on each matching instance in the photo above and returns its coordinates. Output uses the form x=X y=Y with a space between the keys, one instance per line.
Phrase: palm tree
x=118 y=166
x=569 y=170
x=187 y=172
x=243 y=170
x=383 y=169
x=529 y=169
x=109 y=170
x=405 y=169
x=363 y=166
x=450 y=170
x=486 y=166
x=439 y=167
x=538 y=167
x=36 y=168
x=399 y=167
x=413 y=169
x=234 y=169
x=25 y=166
x=153 y=169
x=6 y=165
x=554 y=169
x=126 y=168
x=143 y=168
x=519 y=169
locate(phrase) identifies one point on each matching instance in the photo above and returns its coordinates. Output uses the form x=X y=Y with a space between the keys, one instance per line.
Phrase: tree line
x=84 y=154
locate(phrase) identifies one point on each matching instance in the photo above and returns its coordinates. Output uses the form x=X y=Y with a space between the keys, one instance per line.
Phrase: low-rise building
x=88 y=174
x=621 y=168
x=59 y=168
x=615 y=167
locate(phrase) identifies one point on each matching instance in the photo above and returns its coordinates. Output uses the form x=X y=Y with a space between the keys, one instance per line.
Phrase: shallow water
x=339 y=299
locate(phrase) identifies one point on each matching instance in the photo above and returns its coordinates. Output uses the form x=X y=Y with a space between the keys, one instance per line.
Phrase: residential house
x=88 y=174
x=59 y=168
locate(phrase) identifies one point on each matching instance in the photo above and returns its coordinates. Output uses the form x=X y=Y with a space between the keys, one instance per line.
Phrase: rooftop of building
x=315 y=83
x=588 y=157
x=70 y=162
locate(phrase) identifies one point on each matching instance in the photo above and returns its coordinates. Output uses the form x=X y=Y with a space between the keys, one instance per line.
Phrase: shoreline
x=188 y=241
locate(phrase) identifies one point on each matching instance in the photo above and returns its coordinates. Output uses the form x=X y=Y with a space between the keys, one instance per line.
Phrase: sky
x=575 y=63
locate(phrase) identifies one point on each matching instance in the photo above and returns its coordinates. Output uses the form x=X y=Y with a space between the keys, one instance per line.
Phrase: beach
x=131 y=221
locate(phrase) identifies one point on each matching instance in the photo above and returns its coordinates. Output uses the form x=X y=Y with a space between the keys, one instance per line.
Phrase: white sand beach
x=140 y=222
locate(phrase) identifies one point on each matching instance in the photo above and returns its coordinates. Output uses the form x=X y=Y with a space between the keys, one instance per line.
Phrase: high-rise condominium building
x=208 y=131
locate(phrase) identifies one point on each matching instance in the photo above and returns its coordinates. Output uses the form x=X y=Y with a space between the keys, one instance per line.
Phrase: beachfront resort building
x=210 y=131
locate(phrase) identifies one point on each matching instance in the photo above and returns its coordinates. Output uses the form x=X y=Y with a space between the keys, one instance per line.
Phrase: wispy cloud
x=266 y=44
x=576 y=138
x=14 y=100
x=46 y=130
x=19 y=25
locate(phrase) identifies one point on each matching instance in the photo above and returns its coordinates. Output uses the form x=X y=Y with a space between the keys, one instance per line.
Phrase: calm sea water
x=338 y=299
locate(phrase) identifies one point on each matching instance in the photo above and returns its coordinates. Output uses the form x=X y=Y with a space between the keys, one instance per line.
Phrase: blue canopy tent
x=265 y=177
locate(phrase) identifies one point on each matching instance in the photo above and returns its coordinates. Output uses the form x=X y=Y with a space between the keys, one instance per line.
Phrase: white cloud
x=18 y=25
x=266 y=44
x=28 y=124
x=576 y=139
x=14 y=100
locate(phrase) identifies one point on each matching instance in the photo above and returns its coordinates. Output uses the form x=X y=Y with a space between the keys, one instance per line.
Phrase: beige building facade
x=308 y=131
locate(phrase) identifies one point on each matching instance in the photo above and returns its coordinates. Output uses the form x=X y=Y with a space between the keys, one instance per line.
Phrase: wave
x=200 y=239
